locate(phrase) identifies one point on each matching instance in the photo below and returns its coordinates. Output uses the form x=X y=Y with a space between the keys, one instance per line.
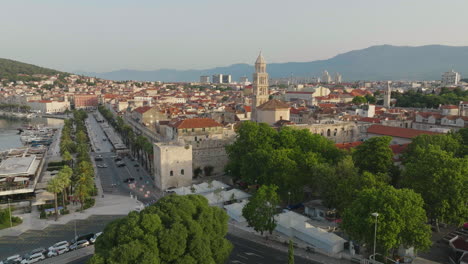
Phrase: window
x=171 y=173
x=193 y=129
x=182 y=171
x=203 y=129
x=328 y=132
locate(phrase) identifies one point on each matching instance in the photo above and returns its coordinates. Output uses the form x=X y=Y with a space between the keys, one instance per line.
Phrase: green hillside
x=13 y=70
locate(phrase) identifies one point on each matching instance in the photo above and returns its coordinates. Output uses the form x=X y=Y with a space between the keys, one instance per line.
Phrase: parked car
x=102 y=166
x=104 y=139
x=79 y=244
x=58 y=251
x=136 y=165
x=13 y=259
x=33 y=258
x=41 y=250
x=93 y=239
x=120 y=164
x=59 y=244
x=83 y=237
x=117 y=158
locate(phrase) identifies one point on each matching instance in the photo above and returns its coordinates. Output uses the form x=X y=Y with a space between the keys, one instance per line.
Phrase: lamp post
x=375 y=232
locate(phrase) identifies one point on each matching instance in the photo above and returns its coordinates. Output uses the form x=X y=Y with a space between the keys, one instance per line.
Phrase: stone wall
x=210 y=153
x=341 y=132
x=173 y=165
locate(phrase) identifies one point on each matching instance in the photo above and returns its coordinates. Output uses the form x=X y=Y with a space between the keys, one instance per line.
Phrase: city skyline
x=114 y=35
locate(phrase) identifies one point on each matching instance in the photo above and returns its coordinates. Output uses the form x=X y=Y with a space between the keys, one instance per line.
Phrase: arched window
x=182 y=171
x=328 y=132
x=335 y=132
x=171 y=173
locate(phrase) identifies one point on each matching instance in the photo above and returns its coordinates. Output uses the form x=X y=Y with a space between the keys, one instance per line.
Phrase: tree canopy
x=176 y=229
x=359 y=100
x=401 y=221
x=261 y=209
x=442 y=180
x=288 y=157
x=418 y=99
x=374 y=155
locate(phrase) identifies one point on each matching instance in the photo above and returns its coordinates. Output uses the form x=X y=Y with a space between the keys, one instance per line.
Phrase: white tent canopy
x=235 y=211
x=220 y=197
x=296 y=225
x=201 y=188
x=2 y=179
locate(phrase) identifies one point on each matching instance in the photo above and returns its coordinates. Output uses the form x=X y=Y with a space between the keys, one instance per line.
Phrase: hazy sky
x=105 y=35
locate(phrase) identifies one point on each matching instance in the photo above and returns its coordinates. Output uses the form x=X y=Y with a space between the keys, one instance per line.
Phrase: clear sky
x=106 y=35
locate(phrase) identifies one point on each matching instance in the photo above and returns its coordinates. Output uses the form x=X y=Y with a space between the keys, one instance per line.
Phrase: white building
x=217 y=78
x=205 y=79
x=49 y=107
x=451 y=78
x=326 y=78
x=172 y=165
x=337 y=78
x=227 y=78
x=244 y=79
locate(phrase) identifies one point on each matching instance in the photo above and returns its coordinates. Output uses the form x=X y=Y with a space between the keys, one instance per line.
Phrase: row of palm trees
x=76 y=176
x=140 y=146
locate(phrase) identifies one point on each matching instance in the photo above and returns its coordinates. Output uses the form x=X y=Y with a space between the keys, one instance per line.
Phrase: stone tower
x=387 y=96
x=260 y=85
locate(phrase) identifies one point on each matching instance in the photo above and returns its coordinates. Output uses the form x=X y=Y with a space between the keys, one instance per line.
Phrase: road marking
x=241 y=256
x=253 y=254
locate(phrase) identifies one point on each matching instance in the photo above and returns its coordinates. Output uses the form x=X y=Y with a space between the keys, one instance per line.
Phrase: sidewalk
x=273 y=241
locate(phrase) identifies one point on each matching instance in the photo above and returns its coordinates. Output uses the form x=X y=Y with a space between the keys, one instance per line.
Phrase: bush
x=89 y=203
x=64 y=211
x=56 y=163
x=55 y=168
x=43 y=215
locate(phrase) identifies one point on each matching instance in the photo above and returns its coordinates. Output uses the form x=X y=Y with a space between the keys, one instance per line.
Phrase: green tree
x=83 y=188
x=374 y=155
x=55 y=186
x=261 y=209
x=442 y=181
x=65 y=178
x=359 y=100
x=68 y=158
x=370 y=99
x=291 y=252
x=176 y=229
x=401 y=221
x=447 y=142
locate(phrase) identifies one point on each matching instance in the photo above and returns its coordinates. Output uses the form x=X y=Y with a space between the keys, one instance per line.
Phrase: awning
x=2 y=179
x=42 y=197
x=20 y=179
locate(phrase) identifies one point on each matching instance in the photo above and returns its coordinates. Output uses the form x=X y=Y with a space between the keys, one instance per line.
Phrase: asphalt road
x=112 y=178
x=45 y=238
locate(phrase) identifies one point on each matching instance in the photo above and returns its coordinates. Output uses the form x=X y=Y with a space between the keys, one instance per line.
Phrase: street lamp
x=375 y=232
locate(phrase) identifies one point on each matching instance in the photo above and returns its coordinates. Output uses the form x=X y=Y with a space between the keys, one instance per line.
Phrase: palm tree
x=65 y=176
x=83 y=188
x=68 y=158
x=55 y=186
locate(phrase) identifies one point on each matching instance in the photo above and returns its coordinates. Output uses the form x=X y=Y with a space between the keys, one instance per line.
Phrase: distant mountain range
x=383 y=62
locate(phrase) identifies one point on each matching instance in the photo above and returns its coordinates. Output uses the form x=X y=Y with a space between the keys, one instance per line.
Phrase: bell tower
x=260 y=85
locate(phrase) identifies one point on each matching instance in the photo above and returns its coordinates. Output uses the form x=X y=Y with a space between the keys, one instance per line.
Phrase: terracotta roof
x=349 y=145
x=142 y=109
x=326 y=105
x=298 y=92
x=449 y=107
x=369 y=119
x=195 y=123
x=273 y=105
x=247 y=108
x=398 y=131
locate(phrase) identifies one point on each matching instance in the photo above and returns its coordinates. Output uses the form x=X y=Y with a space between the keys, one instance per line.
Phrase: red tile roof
x=397 y=131
x=196 y=123
x=369 y=119
x=326 y=105
x=142 y=109
x=348 y=146
x=449 y=107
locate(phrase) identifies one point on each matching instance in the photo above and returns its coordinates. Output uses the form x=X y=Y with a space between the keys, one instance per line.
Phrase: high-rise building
x=326 y=78
x=243 y=79
x=205 y=79
x=387 y=95
x=227 y=78
x=217 y=78
x=451 y=78
x=337 y=78
x=260 y=85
